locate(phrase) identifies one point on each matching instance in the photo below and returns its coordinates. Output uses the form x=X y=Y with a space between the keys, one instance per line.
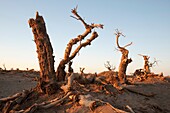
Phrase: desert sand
x=149 y=96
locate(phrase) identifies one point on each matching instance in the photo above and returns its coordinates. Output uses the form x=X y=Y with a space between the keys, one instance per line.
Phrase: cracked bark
x=44 y=51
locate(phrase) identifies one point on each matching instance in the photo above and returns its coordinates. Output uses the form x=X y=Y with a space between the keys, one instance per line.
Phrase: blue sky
x=144 y=22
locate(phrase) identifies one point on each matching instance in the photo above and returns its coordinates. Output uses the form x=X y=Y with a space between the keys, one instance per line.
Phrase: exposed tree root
x=46 y=105
x=14 y=102
x=96 y=105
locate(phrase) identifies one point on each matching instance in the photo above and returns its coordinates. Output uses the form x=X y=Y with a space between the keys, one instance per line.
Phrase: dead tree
x=109 y=66
x=4 y=67
x=68 y=56
x=44 y=51
x=146 y=64
x=124 y=59
x=82 y=70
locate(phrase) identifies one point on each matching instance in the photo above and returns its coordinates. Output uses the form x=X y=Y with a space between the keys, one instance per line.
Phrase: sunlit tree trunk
x=44 y=51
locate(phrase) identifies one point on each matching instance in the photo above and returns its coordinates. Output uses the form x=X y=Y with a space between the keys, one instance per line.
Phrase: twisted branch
x=79 y=38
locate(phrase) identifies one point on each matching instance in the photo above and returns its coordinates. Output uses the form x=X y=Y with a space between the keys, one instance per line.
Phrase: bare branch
x=82 y=70
x=109 y=66
x=78 y=17
x=97 y=25
x=68 y=55
x=74 y=11
x=127 y=45
x=74 y=17
x=118 y=34
x=142 y=55
x=88 y=42
x=153 y=63
x=79 y=38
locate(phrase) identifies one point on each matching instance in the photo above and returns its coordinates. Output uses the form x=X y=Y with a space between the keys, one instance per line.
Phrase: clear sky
x=144 y=22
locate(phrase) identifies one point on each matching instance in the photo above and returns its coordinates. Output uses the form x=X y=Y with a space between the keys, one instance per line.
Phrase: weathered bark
x=124 y=59
x=71 y=78
x=68 y=56
x=44 y=51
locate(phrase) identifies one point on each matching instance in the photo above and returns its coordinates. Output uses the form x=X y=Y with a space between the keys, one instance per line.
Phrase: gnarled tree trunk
x=68 y=56
x=124 y=59
x=44 y=51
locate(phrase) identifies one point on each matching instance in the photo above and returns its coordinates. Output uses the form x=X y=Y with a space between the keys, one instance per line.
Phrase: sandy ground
x=11 y=83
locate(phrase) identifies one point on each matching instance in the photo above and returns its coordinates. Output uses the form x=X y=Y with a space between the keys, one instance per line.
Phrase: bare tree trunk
x=68 y=56
x=124 y=59
x=44 y=51
x=146 y=64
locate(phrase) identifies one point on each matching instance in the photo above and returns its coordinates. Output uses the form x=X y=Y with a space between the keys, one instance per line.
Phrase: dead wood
x=124 y=59
x=131 y=110
x=46 y=104
x=54 y=102
x=82 y=79
x=44 y=51
x=109 y=66
x=82 y=70
x=96 y=105
x=10 y=97
x=71 y=78
x=68 y=56
x=14 y=102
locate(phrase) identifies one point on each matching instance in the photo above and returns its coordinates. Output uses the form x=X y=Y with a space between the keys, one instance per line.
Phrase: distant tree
x=4 y=67
x=109 y=66
x=147 y=64
x=82 y=70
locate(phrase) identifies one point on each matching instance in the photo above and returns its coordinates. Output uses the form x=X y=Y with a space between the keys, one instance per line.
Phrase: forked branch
x=79 y=38
x=118 y=34
x=78 y=17
x=109 y=66
x=82 y=70
x=88 y=42
x=69 y=55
